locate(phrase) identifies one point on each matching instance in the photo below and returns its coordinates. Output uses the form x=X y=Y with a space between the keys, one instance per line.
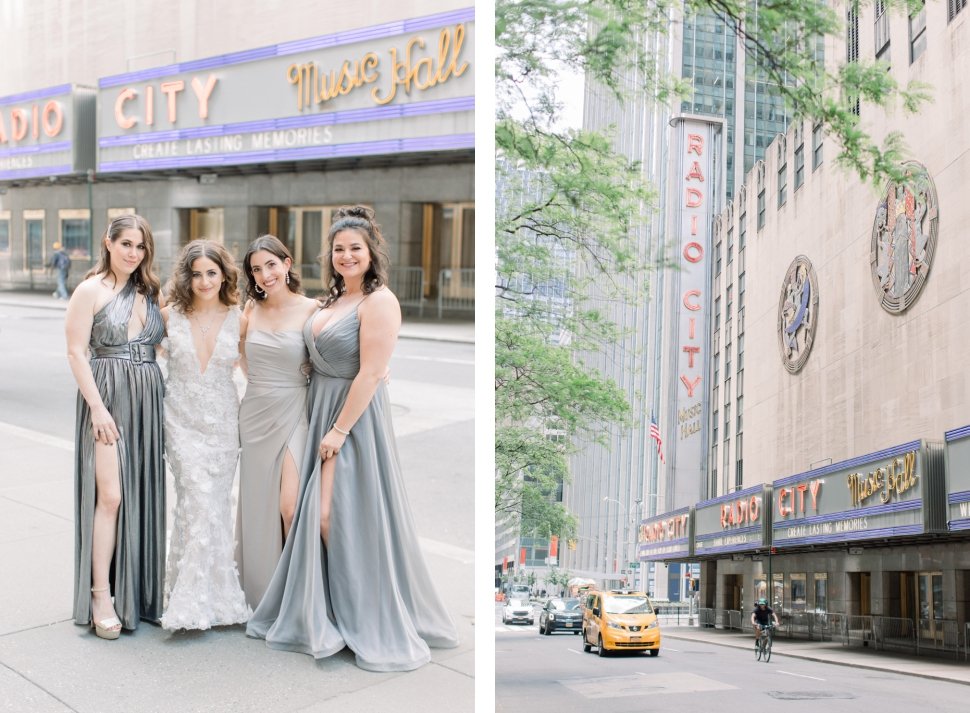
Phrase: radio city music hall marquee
x=343 y=98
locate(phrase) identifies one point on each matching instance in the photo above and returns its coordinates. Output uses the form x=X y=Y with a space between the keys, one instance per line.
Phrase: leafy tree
x=569 y=204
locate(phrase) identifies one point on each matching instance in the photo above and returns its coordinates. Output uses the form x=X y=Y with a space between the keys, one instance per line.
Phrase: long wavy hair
x=146 y=281
x=271 y=244
x=180 y=293
x=360 y=219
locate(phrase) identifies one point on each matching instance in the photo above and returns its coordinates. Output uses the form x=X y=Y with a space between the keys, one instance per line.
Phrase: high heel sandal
x=105 y=628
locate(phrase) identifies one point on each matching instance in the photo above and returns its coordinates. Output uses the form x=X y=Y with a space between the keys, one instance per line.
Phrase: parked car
x=517 y=611
x=561 y=615
x=618 y=620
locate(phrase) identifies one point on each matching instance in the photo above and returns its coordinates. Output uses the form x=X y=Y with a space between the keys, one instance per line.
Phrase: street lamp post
x=632 y=513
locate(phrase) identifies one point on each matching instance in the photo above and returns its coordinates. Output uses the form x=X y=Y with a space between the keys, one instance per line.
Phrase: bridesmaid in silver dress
x=202 y=438
x=112 y=325
x=352 y=571
x=272 y=416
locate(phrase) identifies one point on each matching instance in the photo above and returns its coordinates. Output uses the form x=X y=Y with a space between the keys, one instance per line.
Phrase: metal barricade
x=721 y=619
x=734 y=619
x=705 y=617
x=407 y=283
x=800 y=624
x=837 y=625
x=858 y=629
x=456 y=290
x=890 y=632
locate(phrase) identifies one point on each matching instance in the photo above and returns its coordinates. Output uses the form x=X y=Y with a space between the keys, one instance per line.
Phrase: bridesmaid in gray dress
x=272 y=415
x=112 y=325
x=352 y=572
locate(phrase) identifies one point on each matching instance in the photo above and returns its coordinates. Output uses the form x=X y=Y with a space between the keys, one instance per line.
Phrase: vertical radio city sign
x=696 y=184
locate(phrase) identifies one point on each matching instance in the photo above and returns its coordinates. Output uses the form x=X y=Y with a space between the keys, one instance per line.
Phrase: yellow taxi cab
x=619 y=620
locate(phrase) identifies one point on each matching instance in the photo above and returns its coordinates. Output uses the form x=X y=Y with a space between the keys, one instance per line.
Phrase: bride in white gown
x=202 y=439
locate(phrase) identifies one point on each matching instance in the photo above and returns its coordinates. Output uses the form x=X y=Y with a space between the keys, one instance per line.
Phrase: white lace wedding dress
x=202 y=448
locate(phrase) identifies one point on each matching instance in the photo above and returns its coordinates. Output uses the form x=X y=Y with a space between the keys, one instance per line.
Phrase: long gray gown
x=130 y=384
x=272 y=420
x=371 y=588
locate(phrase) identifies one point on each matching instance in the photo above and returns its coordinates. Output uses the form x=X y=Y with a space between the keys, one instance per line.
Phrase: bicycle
x=763 y=647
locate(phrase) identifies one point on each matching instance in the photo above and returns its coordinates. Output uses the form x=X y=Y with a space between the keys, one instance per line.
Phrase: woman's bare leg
x=108 y=501
x=327 y=470
x=289 y=486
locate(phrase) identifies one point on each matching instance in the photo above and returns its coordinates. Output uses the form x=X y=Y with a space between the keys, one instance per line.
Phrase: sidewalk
x=951 y=668
x=462 y=332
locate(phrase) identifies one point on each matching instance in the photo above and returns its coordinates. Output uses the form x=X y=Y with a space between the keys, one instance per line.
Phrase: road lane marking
x=36 y=436
x=801 y=675
x=575 y=651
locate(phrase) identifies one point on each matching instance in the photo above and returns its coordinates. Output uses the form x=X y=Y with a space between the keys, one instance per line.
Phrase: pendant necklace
x=205 y=329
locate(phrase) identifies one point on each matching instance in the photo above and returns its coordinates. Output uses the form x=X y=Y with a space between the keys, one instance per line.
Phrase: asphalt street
x=49 y=664
x=552 y=674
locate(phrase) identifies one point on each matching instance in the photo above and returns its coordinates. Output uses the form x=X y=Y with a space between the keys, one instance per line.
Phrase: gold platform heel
x=105 y=629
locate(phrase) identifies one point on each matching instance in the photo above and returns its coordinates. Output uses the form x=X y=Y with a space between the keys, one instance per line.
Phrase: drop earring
x=260 y=291
x=287 y=278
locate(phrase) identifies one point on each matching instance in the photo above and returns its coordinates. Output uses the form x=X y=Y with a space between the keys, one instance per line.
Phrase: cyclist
x=762 y=616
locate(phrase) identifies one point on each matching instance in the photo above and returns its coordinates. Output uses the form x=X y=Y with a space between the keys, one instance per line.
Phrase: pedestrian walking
x=60 y=265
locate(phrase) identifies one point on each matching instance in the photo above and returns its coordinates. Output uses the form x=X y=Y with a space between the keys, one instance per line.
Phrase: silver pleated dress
x=370 y=589
x=130 y=384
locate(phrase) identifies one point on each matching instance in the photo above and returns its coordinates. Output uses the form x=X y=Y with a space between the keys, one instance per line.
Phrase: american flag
x=655 y=435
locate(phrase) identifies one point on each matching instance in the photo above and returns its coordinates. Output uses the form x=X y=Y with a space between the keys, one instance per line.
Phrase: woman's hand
x=331 y=444
x=105 y=430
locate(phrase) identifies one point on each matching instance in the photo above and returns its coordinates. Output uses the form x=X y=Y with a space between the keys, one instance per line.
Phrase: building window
x=730 y=245
x=716 y=422
x=761 y=208
x=742 y=231
x=740 y=384
x=799 y=165
x=740 y=424
x=953 y=7
x=75 y=232
x=816 y=146
x=730 y=302
x=34 y=239
x=717 y=259
x=727 y=460
x=917 y=33
x=852 y=45
x=782 y=184
x=717 y=314
x=881 y=31
x=740 y=353
x=4 y=231
x=821 y=592
x=714 y=468
x=738 y=464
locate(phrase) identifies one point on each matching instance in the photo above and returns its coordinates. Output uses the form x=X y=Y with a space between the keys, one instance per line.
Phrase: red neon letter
x=692 y=306
x=693 y=252
x=691 y=385
x=695 y=144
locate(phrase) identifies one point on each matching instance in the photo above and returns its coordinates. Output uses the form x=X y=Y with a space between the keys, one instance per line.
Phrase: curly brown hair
x=271 y=244
x=360 y=219
x=146 y=281
x=181 y=295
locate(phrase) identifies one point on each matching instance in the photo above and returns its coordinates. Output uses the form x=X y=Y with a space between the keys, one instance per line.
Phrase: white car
x=518 y=611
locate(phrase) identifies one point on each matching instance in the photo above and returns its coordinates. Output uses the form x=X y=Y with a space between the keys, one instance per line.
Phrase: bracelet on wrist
x=341 y=431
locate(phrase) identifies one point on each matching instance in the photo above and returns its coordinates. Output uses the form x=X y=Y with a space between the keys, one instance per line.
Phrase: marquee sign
x=387 y=89
x=894 y=492
x=958 y=478
x=665 y=536
x=735 y=522
x=47 y=132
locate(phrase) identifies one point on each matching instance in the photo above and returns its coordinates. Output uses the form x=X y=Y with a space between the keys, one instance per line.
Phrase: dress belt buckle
x=136 y=353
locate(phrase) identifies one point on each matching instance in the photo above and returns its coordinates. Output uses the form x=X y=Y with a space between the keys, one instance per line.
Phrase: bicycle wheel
x=759 y=648
x=768 y=649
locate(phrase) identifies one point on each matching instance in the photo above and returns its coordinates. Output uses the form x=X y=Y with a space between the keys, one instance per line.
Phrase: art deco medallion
x=904 y=239
x=797 y=313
